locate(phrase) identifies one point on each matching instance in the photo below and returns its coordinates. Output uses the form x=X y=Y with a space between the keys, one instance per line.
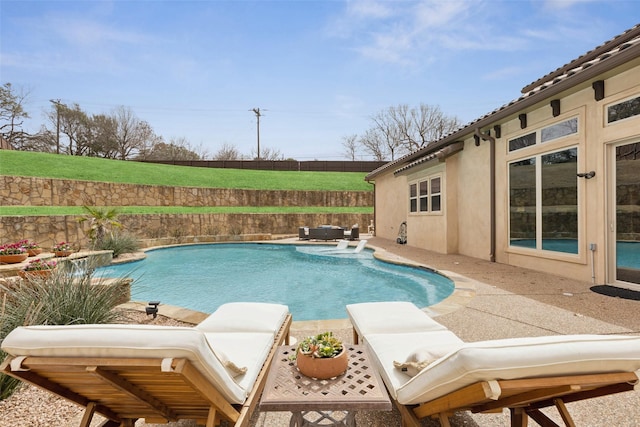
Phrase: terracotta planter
x=322 y=368
x=13 y=259
x=35 y=274
x=34 y=252
x=63 y=253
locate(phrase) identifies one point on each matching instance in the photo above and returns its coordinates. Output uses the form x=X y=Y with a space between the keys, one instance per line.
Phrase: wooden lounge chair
x=210 y=373
x=521 y=374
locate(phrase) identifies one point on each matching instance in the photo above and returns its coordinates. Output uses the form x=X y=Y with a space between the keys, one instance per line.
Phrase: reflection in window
x=559 y=130
x=623 y=110
x=435 y=194
x=560 y=201
x=522 y=142
x=424 y=199
x=557 y=211
x=413 y=198
x=522 y=202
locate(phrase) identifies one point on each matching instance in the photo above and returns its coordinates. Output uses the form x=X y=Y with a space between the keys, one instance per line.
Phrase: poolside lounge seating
x=326 y=233
x=353 y=233
x=521 y=374
x=210 y=373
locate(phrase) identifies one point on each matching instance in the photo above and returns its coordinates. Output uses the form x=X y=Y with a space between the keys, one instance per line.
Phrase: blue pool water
x=316 y=282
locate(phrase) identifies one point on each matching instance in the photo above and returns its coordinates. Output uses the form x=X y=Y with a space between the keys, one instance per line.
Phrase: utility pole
x=257 y=112
x=56 y=102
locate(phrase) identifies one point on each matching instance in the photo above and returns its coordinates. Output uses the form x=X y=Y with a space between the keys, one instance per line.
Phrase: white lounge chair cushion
x=122 y=341
x=390 y=317
x=248 y=350
x=517 y=358
x=418 y=360
x=245 y=317
x=384 y=349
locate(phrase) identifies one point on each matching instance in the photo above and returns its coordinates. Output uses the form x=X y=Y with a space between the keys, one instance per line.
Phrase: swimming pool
x=316 y=282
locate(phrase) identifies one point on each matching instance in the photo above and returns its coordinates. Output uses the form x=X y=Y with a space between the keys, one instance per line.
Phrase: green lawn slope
x=45 y=165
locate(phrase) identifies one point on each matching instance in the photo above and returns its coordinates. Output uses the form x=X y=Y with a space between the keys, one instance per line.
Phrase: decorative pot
x=34 y=252
x=13 y=259
x=62 y=253
x=35 y=274
x=322 y=368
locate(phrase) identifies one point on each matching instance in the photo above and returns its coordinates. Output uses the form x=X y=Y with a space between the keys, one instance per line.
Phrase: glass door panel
x=628 y=213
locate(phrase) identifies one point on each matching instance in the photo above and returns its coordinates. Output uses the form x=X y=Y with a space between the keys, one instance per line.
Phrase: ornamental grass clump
x=67 y=297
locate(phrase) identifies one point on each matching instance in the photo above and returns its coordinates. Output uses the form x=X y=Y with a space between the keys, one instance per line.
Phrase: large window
x=425 y=195
x=543 y=202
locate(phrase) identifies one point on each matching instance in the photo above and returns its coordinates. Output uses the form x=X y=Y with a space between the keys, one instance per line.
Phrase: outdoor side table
x=313 y=402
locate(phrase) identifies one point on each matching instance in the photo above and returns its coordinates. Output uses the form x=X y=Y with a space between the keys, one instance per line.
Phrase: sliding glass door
x=627 y=214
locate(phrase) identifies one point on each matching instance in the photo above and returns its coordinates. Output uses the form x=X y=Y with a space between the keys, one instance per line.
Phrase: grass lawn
x=147 y=210
x=45 y=165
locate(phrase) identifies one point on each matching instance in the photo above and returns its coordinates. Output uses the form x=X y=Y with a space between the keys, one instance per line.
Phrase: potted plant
x=32 y=248
x=321 y=356
x=37 y=268
x=62 y=249
x=12 y=253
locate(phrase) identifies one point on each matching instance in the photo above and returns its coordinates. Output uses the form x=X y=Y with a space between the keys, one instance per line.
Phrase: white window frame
x=419 y=197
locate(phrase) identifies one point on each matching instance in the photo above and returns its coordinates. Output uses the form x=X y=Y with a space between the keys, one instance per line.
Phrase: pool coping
x=464 y=288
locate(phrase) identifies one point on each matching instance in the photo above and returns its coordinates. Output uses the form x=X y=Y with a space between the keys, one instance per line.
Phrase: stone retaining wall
x=31 y=191
x=171 y=228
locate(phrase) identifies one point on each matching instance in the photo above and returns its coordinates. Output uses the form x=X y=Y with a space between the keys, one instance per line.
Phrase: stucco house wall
x=464 y=225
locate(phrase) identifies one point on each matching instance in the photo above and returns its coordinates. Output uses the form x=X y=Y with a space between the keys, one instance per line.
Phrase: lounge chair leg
x=519 y=417
x=88 y=414
x=211 y=417
x=564 y=413
x=444 y=419
x=355 y=336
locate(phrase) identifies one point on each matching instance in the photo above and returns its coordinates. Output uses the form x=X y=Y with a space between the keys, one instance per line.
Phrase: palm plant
x=101 y=221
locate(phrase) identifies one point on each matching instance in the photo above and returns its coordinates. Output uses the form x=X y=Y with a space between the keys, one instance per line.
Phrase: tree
x=373 y=144
x=132 y=134
x=176 y=149
x=228 y=152
x=350 y=145
x=74 y=124
x=12 y=115
x=267 y=153
x=400 y=130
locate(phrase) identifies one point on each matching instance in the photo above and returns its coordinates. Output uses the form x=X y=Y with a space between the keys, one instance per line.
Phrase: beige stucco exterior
x=464 y=223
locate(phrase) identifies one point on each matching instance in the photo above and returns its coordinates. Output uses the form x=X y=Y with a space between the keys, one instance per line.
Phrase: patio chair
x=430 y=372
x=210 y=373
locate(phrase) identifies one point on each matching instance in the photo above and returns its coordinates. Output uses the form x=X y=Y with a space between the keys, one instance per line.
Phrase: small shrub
x=120 y=243
x=66 y=297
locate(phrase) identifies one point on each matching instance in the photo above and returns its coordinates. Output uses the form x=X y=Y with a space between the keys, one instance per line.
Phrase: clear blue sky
x=318 y=70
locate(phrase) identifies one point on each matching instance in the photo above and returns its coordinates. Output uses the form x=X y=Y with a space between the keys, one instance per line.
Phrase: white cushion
x=417 y=360
x=519 y=358
x=121 y=341
x=390 y=317
x=384 y=349
x=248 y=350
x=245 y=317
